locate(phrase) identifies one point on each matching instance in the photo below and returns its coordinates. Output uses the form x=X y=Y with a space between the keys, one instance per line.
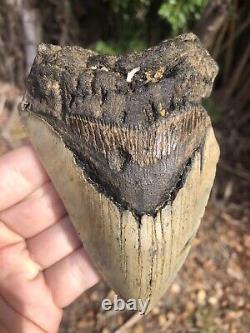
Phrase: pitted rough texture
x=133 y=121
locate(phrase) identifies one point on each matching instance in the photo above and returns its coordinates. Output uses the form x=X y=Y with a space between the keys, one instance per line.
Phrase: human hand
x=43 y=267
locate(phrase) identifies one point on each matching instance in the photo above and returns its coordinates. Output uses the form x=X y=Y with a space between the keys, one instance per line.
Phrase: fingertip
x=21 y=173
x=70 y=277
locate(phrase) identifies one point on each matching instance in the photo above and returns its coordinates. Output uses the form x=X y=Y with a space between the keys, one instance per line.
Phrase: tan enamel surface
x=137 y=261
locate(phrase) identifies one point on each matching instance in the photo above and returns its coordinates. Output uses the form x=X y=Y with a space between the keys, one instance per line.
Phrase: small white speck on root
x=103 y=68
x=132 y=73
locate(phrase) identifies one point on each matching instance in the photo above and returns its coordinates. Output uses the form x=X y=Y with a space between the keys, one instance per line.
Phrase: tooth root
x=139 y=259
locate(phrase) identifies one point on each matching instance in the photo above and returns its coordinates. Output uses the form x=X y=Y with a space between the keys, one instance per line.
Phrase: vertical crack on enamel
x=139 y=258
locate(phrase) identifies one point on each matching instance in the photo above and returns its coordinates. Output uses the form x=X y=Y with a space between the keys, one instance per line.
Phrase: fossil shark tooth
x=130 y=150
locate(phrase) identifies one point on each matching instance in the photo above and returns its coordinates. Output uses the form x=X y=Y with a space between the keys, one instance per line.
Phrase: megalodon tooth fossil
x=130 y=150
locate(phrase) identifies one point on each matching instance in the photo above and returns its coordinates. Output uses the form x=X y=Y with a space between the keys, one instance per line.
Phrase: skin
x=43 y=266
